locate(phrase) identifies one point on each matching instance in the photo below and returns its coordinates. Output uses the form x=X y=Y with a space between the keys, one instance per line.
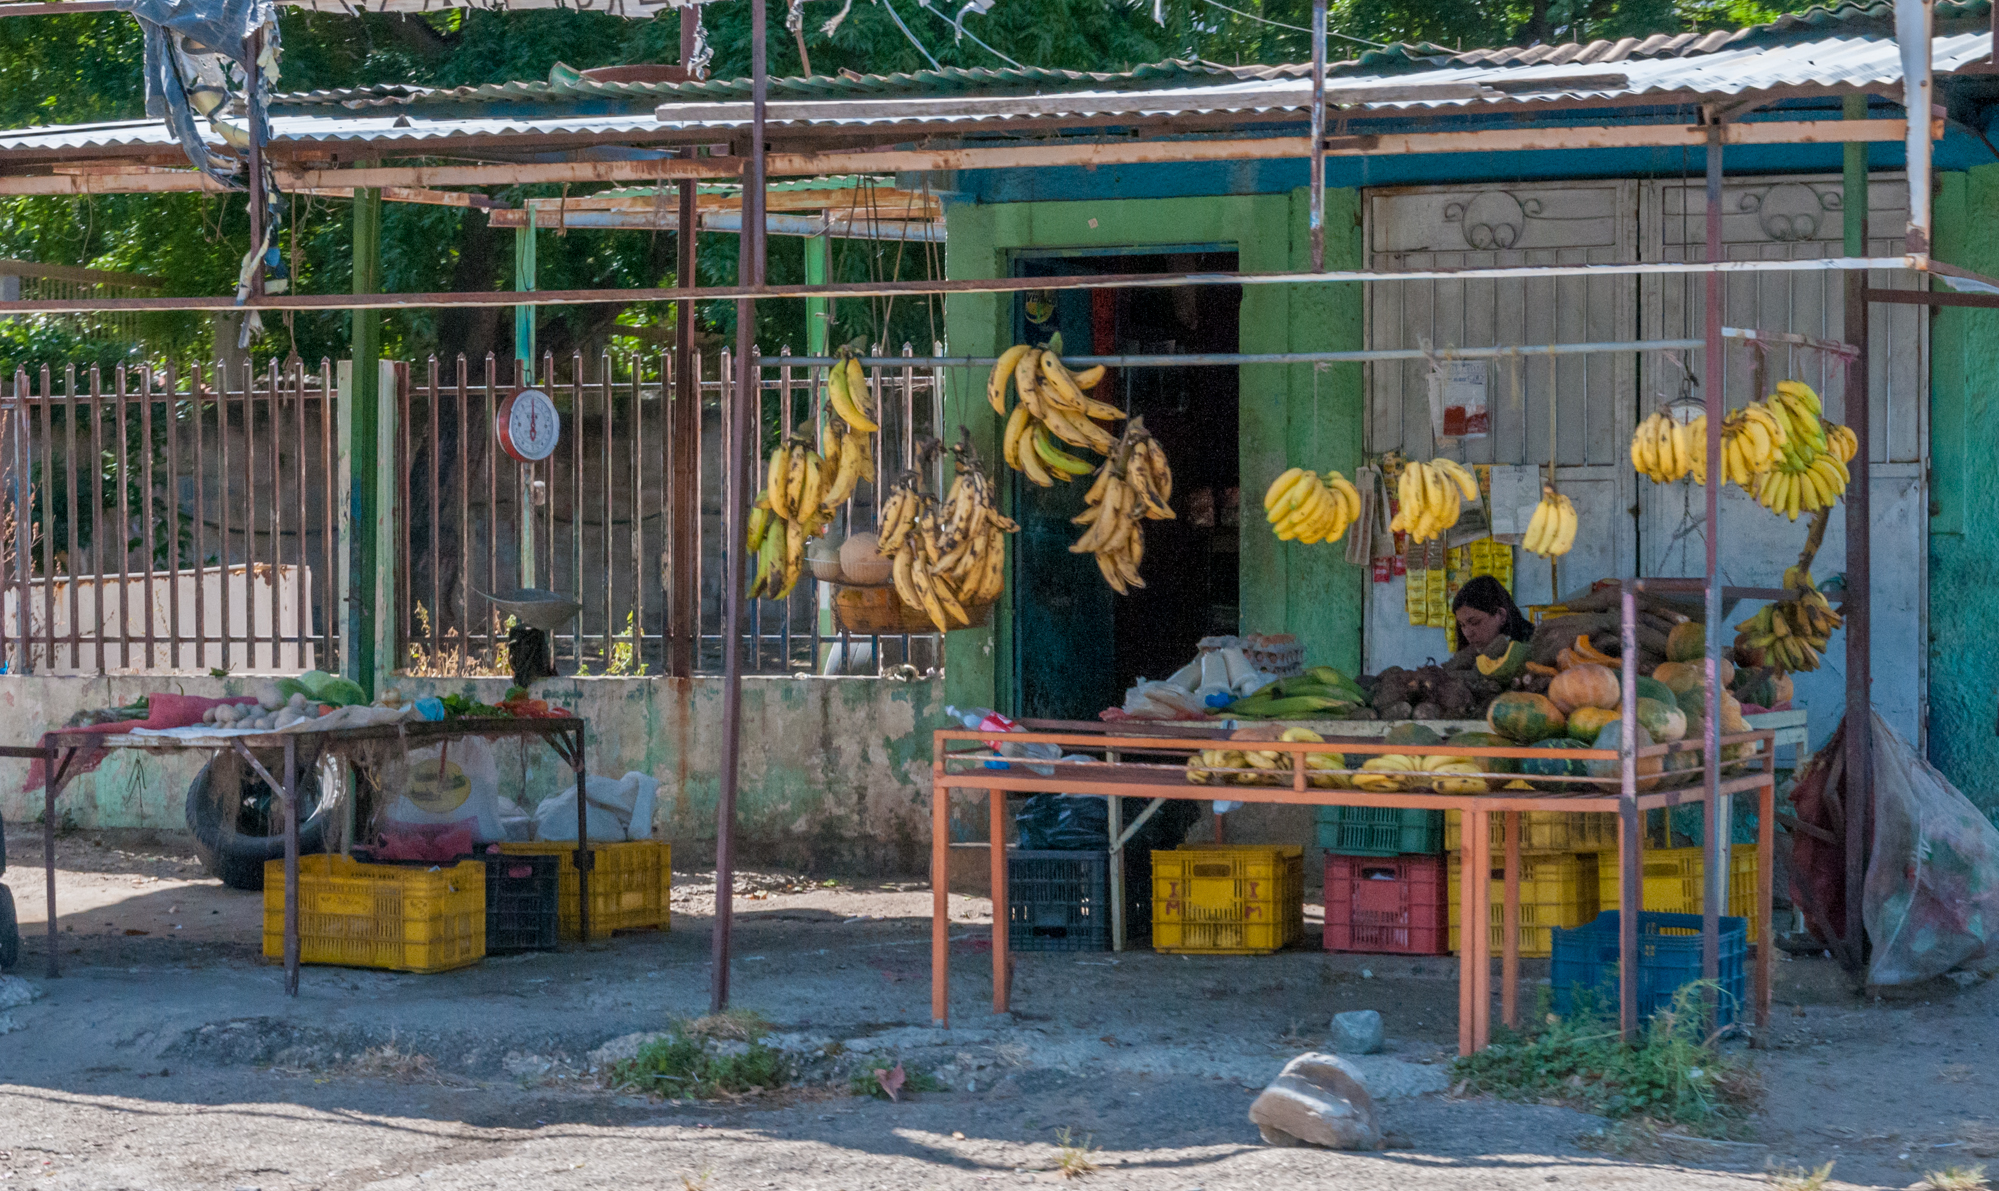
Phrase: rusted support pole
x=1318 y=216
x=735 y=495
x=1719 y=807
x=683 y=492
x=1629 y=881
x=1858 y=802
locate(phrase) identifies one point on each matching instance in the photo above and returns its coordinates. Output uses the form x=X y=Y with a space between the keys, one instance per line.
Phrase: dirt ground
x=166 y=1056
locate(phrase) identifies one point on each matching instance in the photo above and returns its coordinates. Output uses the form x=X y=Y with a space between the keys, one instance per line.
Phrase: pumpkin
x=1611 y=739
x=1566 y=660
x=1509 y=665
x=1652 y=688
x=1663 y=721
x=1587 y=685
x=1554 y=766
x=1686 y=643
x=1487 y=740
x=1679 y=677
x=1525 y=717
x=1586 y=722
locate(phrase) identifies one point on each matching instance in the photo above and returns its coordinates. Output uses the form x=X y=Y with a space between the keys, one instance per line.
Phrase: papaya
x=1525 y=717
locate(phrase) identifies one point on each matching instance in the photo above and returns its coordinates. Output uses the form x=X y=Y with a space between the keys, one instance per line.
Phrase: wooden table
x=564 y=734
x=1151 y=764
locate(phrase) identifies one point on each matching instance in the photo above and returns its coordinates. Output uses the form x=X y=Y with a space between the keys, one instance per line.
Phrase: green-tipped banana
x=1057 y=459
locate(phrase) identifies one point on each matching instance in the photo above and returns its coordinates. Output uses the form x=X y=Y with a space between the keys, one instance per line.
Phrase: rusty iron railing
x=166 y=520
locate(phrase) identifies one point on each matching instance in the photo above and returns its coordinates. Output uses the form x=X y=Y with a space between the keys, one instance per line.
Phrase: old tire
x=10 y=931
x=238 y=821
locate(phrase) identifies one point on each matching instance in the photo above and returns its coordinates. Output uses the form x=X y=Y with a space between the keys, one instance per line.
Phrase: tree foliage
x=85 y=69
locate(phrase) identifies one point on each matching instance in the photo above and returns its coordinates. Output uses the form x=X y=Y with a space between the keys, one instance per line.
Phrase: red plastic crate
x=1387 y=904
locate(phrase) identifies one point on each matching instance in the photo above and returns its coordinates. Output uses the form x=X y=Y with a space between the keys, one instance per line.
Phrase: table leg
x=1766 y=856
x=587 y=860
x=940 y=898
x=1114 y=865
x=1002 y=960
x=1630 y=885
x=49 y=777
x=1509 y=956
x=291 y=865
x=1472 y=865
x=1478 y=826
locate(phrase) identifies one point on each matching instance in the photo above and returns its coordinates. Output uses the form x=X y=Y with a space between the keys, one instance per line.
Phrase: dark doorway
x=1079 y=645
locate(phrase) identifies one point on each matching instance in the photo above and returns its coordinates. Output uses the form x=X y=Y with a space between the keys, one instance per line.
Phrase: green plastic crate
x=1380 y=831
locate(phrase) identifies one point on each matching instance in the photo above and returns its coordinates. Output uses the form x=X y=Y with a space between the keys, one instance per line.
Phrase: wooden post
x=1719 y=808
x=359 y=445
x=1629 y=880
x=1476 y=934
x=1002 y=959
x=1859 y=797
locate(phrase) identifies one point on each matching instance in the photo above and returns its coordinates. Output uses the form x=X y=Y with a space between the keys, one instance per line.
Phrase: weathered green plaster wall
x=1964 y=498
x=1287 y=415
x=835 y=771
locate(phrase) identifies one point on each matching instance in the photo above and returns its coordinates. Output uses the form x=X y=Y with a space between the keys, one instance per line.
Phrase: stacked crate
x=1223 y=899
x=1385 y=891
x=1560 y=874
x=1674 y=882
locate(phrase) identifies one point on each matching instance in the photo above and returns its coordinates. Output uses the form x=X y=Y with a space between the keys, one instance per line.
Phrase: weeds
x=685 y=1064
x=734 y=1025
x=875 y=1078
x=454 y=656
x=1796 y=1178
x=1673 y=1075
x=1074 y=1161
x=1956 y=1178
x=389 y=1061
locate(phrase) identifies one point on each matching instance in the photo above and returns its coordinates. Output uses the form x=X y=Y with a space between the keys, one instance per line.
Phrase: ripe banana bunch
x=1430 y=496
x=950 y=555
x=1662 y=449
x=788 y=511
x=1201 y=768
x=1305 y=508
x=1552 y=530
x=1055 y=410
x=847 y=392
x=850 y=455
x=1792 y=633
x=1809 y=473
x=1388 y=773
x=1133 y=486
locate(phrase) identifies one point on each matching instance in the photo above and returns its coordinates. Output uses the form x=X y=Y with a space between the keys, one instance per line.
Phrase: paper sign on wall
x=1516 y=489
x=1457 y=399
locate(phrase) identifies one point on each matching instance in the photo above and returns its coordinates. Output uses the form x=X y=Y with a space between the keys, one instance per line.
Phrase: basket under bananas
x=1792 y=634
x=946 y=557
x=1134 y=485
x=1055 y=411
x=803 y=489
x=1305 y=507
x=1430 y=496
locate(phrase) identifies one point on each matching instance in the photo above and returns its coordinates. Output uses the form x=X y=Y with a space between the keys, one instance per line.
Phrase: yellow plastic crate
x=380 y=915
x=1220 y=899
x=1543 y=831
x=1674 y=881
x=628 y=886
x=1555 y=891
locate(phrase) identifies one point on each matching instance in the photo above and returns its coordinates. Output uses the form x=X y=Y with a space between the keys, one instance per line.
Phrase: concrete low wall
x=835 y=772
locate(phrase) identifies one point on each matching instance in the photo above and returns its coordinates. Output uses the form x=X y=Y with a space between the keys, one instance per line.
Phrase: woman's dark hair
x=1485 y=594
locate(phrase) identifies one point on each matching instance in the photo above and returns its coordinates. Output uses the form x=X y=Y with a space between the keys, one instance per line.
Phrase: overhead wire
x=893 y=15
x=925 y=6
x=1296 y=28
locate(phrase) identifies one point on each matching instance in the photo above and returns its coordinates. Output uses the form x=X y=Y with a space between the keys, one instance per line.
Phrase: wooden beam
x=72 y=273
x=410 y=194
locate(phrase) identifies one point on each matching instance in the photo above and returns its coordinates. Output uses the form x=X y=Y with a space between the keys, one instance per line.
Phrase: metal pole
x=1719 y=808
x=291 y=866
x=683 y=605
x=1859 y=796
x=49 y=776
x=253 y=47
x=1630 y=882
x=1913 y=26
x=748 y=395
x=364 y=424
x=1318 y=217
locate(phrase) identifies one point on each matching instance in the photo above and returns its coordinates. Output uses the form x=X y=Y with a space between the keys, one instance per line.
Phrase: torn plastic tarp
x=190 y=45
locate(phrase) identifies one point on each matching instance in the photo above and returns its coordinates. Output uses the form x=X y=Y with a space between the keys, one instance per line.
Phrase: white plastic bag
x=452 y=782
x=1932 y=897
x=618 y=809
x=1163 y=701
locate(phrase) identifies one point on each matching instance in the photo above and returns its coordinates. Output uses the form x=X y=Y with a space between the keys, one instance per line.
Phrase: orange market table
x=564 y=734
x=1144 y=764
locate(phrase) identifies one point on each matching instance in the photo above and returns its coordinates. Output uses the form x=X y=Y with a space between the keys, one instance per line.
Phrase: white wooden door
x=1789 y=218
x=1582 y=404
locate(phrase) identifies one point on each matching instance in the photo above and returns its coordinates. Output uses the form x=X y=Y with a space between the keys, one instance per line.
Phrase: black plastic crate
x=520 y=902
x=1058 y=901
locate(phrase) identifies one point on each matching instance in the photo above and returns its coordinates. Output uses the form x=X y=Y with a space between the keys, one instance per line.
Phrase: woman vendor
x=1486 y=612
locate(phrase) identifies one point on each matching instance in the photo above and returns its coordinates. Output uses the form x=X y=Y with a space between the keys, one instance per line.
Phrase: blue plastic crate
x=1058 y=901
x=1669 y=958
x=1380 y=831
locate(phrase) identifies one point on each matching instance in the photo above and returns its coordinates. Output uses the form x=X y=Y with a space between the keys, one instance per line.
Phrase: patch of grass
x=737 y=1025
x=389 y=1061
x=867 y=1081
x=1074 y=1161
x=1956 y=1178
x=1673 y=1074
x=1796 y=1178
x=682 y=1065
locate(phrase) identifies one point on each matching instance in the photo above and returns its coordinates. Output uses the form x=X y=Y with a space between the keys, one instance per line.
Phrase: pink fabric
x=163 y=710
x=435 y=842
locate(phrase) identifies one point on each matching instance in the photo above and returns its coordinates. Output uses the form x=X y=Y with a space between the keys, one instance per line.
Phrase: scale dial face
x=528 y=426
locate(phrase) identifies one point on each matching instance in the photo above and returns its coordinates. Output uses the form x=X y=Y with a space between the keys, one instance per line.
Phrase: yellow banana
x=1002 y=372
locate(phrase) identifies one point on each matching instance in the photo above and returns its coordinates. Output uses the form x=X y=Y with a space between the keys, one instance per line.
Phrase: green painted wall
x=1287 y=415
x=1964 y=498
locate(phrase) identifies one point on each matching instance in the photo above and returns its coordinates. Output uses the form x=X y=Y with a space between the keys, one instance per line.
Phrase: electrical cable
x=924 y=5
x=897 y=18
x=1296 y=28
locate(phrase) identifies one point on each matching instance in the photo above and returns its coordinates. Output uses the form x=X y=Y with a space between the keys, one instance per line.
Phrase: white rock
x=16 y=991
x=1317 y=1100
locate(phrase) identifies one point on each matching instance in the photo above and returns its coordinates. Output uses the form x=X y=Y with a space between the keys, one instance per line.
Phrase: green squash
x=1663 y=721
x=1525 y=717
x=1554 y=766
x=1411 y=733
x=1652 y=688
x=1488 y=740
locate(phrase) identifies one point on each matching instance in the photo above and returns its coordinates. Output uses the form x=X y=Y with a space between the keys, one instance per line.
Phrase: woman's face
x=1479 y=628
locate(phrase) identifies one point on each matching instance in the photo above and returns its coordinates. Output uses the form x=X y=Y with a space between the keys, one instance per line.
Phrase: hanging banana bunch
x=1662 y=449
x=1308 y=508
x=850 y=454
x=1552 y=529
x=1791 y=634
x=1810 y=471
x=1133 y=486
x=1430 y=496
x=791 y=508
x=1055 y=411
x=952 y=556
x=847 y=392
